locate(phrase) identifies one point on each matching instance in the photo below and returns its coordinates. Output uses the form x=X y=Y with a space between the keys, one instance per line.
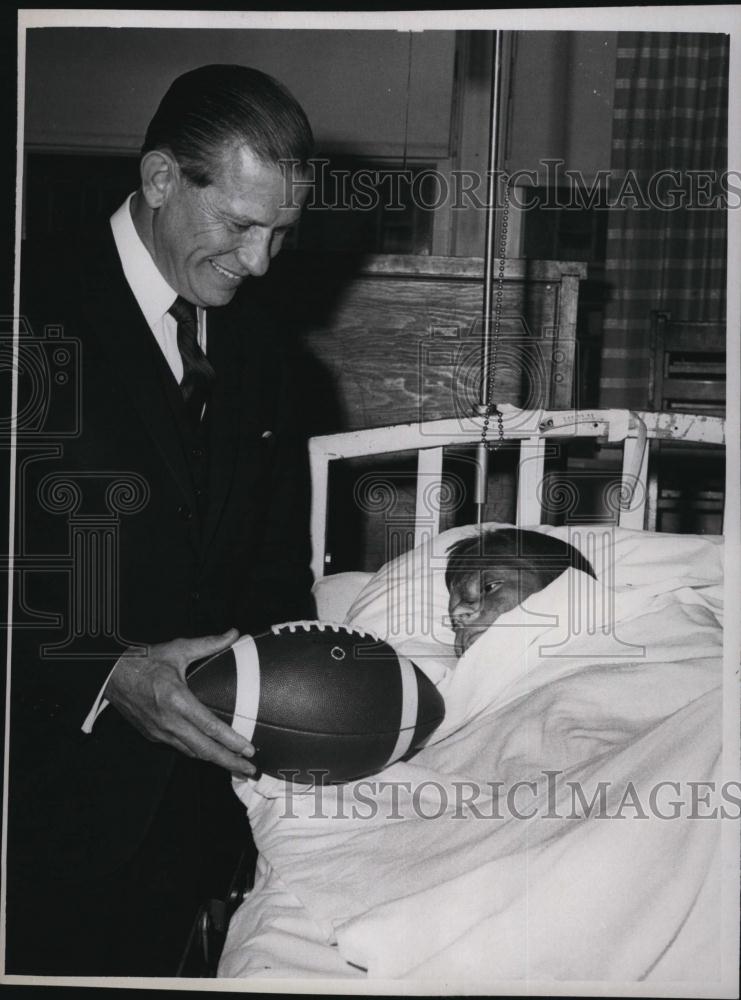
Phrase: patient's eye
x=491 y=585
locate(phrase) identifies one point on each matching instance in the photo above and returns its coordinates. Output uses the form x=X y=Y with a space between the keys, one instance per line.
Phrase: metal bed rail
x=532 y=428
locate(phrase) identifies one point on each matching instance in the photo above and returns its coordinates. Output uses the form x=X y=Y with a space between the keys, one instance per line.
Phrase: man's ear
x=159 y=173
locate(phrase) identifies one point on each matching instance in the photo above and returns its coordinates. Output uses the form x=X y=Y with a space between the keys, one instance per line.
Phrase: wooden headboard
x=393 y=339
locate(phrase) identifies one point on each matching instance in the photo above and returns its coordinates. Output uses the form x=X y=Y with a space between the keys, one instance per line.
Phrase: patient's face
x=479 y=596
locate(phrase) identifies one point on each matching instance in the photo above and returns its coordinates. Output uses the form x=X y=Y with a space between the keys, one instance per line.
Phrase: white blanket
x=446 y=868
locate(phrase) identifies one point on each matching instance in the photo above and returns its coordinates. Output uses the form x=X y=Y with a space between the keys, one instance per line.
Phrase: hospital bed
x=618 y=682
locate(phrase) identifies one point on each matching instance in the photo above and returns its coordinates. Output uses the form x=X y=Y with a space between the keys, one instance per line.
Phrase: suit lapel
x=125 y=337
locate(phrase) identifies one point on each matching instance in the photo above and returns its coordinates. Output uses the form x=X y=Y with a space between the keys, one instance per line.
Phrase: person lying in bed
x=494 y=571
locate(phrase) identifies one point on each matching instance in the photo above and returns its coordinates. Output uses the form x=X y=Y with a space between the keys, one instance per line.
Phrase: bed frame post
x=429 y=494
x=530 y=481
x=632 y=512
x=319 y=471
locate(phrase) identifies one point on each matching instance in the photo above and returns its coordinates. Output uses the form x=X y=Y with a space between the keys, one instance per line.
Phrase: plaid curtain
x=666 y=240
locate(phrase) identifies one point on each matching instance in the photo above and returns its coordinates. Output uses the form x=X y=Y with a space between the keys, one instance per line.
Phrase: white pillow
x=335 y=593
x=406 y=601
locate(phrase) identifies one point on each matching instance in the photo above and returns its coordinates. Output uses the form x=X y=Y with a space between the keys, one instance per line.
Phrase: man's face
x=479 y=596
x=206 y=241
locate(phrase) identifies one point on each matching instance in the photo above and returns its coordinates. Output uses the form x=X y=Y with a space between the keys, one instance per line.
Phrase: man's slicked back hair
x=223 y=105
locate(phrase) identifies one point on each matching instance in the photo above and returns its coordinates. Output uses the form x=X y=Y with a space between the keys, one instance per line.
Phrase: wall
x=97 y=88
x=562 y=93
x=558 y=89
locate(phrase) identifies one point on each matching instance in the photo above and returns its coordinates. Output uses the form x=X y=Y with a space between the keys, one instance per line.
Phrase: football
x=321 y=703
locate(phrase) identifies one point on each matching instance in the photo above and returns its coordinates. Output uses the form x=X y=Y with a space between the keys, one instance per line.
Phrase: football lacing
x=310 y=626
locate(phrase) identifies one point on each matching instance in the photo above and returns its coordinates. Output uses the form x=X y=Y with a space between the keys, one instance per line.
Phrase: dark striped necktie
x=197 y=372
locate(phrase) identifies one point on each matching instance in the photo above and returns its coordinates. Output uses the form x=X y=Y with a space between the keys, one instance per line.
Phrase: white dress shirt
x=152 y=293
x=154 y=297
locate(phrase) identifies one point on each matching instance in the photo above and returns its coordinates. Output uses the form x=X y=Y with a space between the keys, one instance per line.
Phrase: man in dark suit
x=171 y=520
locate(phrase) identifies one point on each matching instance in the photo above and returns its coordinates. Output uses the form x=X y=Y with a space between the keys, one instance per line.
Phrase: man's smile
x=225 y=272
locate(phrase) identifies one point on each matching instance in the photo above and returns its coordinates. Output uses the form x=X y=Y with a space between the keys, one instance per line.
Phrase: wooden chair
x=687 y=375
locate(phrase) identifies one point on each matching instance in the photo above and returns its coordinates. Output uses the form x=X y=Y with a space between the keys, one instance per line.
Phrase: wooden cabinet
x=398 y=338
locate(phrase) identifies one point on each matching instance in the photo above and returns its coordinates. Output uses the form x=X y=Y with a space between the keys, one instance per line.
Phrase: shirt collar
x=152 y=292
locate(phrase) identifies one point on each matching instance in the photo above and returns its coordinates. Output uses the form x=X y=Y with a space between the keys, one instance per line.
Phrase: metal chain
x=498 y=304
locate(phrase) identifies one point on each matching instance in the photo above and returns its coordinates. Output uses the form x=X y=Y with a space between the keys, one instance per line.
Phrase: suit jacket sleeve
x=51 y=459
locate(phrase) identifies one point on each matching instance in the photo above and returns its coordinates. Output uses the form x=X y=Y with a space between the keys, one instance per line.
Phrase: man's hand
x=151 y=693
